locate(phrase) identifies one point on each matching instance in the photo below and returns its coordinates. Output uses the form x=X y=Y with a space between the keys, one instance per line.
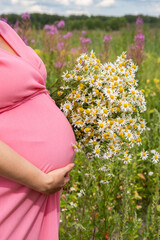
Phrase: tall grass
x=127 y=206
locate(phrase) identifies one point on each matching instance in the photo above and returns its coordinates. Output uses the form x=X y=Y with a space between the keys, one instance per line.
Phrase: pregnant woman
x=36 y=153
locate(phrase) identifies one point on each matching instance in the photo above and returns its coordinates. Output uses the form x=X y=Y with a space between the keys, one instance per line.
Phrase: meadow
x=119 y=201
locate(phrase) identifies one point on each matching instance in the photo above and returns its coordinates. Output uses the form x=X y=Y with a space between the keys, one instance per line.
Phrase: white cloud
x=76 y=12
x=27 y=3
x=76 y=2
x=154 y=9
x=36 y=8
x=40 y=9
x=23 y=2
x=14 y=1
x=106 y=3
x=83 y=2
x=63 y=2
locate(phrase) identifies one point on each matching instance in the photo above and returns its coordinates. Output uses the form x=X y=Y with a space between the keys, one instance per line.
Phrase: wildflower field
x=113 y=197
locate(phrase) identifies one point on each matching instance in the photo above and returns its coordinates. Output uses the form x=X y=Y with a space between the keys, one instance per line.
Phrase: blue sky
x=88 y=7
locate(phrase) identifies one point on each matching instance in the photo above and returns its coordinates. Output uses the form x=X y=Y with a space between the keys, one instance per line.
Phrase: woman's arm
x=14 y=167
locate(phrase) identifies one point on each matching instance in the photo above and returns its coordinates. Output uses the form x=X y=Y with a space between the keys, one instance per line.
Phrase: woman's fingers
x=68 y=168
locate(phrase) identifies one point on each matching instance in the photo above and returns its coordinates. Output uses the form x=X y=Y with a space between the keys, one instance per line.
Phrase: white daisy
x=97 y=150
x=127 y=158
x=155 y=158
x=90 y=175
x=144 y=155
x=104 y=181
x=73 y=204
x=104 y=168
x=150 y=173
x=67 y=106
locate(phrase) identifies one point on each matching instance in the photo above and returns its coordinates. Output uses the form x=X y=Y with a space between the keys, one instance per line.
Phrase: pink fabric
x=32 y=124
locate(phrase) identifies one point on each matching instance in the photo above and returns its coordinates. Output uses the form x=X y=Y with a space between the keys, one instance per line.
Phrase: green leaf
x=158 y=208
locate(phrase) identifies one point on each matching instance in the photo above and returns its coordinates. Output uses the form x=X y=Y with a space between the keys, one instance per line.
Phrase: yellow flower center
x=81 y=109
x=105 y=110
x=96 y=91
x=97 y=150
x=87 y=111
x=121 y=134
x=134 y=66
x=112 y=96
x=115 y=78
x=67 y=106
x=138 y=139
x=86 y=129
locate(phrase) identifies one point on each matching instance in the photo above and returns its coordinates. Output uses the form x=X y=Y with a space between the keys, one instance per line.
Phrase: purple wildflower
x=25 y=16
x=83 y=32
x=4 y=20
x=139 y=21
x=107 y=38
x=60 y=45
x=73 y=50
x=132 y=47
x=69 y=34
x=85 y=40
x=139 y=37
x=61 y=24
x=59 y=64
x=52 y=29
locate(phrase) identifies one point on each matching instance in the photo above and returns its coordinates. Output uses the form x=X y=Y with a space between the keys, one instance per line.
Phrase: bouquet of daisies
x=103 y=105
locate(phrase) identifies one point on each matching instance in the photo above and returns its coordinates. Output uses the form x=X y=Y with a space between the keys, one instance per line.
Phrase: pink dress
x=32 y=124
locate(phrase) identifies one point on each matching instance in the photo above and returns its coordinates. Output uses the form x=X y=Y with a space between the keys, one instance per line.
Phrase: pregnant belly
x=39 y=131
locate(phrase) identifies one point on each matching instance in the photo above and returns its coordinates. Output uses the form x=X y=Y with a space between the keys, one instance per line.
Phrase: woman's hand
x=56 y=179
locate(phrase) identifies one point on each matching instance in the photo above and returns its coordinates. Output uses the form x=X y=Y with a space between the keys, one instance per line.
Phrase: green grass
x=128 y=206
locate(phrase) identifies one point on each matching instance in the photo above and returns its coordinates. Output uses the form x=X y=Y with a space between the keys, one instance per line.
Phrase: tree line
x=81 y=22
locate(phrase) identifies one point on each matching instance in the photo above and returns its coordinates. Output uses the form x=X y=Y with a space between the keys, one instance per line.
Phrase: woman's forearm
x=14 y=167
